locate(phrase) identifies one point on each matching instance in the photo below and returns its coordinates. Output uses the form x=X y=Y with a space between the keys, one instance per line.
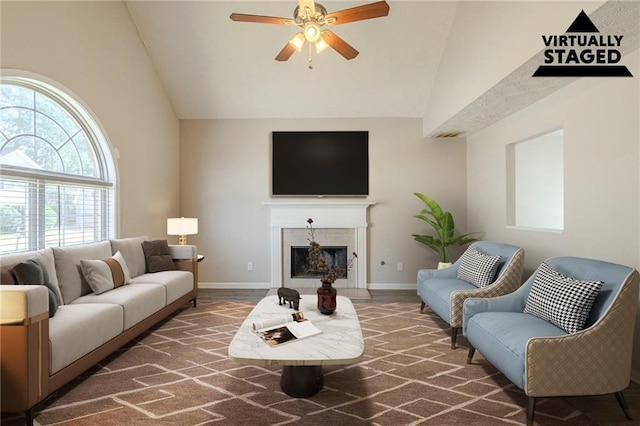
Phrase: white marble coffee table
x=340 y=343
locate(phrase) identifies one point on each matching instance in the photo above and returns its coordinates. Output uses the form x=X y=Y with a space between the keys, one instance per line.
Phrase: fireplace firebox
x=333 y=255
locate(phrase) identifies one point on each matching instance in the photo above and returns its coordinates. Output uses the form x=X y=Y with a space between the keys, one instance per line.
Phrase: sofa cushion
x=157 y=256
x=493 y=332
x=72 y=283
x=478 y=268
x=137 y=301
x=45 y=256
x=77 y=329
x=176 y=283
x=106 y=274
x=131 y=250
x=561 y=300
x=33 y=272
x=438 y=294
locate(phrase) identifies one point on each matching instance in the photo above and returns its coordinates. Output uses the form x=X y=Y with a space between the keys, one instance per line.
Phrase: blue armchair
x=445 y=294
x=544 y=360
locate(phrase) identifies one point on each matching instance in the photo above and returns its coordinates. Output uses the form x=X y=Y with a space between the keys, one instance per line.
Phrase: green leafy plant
x=442 y=222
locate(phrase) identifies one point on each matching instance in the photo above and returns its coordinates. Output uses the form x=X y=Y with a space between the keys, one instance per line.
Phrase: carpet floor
x=179 y=374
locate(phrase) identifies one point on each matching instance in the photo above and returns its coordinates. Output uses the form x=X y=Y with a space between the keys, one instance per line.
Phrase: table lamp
x=182 y=226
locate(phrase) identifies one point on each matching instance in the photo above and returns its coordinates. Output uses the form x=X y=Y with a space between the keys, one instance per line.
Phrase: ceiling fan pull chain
x=310 y=58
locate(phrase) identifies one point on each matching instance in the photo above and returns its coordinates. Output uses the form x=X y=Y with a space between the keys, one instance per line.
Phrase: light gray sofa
x=39 y=354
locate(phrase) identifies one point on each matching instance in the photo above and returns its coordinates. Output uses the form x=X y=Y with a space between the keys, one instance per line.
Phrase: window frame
x=40 y=181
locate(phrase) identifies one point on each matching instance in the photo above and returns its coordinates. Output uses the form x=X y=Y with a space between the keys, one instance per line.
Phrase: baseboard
x=263 y=286
x=240 y=286
x=393 y=286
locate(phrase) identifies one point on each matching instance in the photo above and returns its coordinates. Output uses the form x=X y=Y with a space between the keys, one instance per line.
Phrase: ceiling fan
x=311 y=17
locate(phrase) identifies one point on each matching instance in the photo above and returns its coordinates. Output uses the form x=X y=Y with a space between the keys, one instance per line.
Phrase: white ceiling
x=213 y=67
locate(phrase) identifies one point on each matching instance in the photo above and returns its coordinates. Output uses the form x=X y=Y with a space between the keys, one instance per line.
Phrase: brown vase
x=326 y=298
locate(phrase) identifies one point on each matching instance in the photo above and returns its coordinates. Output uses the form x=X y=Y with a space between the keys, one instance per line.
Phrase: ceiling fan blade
x=259 y=19
x=286 y=52
x=339 y=45
x=358 y=13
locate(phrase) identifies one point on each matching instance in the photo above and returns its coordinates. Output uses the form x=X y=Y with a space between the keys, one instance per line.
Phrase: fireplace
x=336 y=224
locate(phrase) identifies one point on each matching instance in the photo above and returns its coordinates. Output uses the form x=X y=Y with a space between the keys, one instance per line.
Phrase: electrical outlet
x=249 y=266
x=400 y=266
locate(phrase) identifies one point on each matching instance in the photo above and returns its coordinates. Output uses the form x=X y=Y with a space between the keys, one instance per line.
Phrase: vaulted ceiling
x=215 y=68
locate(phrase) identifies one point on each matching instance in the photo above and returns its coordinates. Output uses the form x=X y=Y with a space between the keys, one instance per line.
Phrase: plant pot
x=443 y=265
x=327 y=298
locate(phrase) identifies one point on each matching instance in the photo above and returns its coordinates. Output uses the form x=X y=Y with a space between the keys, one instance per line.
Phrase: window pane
x=57 y=114
x=15 y=96
x=50 y=131
x=15 y=122
x=31 y=152
x=87 y=155
x=14 y=208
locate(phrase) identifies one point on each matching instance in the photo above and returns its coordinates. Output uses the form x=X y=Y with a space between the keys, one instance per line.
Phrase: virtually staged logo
x=582 y=52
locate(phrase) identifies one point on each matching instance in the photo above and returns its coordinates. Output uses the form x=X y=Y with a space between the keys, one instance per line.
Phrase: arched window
x=57 y=177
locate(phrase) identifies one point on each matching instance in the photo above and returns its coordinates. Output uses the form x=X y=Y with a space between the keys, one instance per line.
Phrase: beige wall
x=93 y=50
x=225 y=178
x=601 y=161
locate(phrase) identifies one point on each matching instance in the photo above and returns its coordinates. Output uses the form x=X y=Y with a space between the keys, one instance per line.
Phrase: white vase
x=443 y=265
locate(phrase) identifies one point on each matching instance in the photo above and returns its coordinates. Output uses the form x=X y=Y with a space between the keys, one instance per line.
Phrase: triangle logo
x=581 y=53
x=582 y=24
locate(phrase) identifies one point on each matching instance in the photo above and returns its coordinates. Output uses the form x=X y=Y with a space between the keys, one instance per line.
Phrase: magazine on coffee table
x=285 y=329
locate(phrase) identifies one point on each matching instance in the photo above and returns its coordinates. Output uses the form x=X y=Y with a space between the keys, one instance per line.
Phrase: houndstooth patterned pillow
x=478 y=268
x=563 y=301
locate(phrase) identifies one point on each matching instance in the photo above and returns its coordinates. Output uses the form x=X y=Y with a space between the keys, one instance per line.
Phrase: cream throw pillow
x=107 y=274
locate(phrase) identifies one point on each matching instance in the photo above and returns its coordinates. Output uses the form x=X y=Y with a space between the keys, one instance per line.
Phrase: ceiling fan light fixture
x=321 y=45
x=297 y=41
x=311 y=32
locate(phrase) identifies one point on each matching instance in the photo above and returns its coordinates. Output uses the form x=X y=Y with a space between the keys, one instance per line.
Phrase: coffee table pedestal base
x=301 y=381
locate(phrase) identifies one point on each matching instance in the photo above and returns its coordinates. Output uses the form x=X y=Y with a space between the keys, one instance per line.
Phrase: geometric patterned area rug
x=179 y=374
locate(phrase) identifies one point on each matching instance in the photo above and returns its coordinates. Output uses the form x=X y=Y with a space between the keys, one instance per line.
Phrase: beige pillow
x=107 y=274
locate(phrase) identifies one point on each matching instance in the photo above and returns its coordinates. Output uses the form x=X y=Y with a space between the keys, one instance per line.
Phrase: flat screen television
x=320 y=163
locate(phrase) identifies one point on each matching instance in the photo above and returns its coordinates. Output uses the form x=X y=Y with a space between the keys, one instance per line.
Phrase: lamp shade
x=182 y=226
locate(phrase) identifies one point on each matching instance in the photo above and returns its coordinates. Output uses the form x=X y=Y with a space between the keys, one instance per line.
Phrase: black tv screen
x=320 y=163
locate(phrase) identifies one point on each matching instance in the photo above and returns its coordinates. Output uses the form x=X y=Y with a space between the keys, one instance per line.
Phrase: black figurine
x=289 y=295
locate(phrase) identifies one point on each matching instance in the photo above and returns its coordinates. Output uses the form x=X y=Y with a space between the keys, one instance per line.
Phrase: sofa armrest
x=185 y=258
x=429 y=274
x=23 y=304
x=24 y=346
x=183 y=252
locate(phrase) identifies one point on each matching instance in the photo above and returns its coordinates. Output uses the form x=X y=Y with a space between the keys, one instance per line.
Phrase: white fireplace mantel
x=325 y=214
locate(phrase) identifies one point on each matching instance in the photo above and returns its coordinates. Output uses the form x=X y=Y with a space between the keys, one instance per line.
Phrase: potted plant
x=442 y=222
